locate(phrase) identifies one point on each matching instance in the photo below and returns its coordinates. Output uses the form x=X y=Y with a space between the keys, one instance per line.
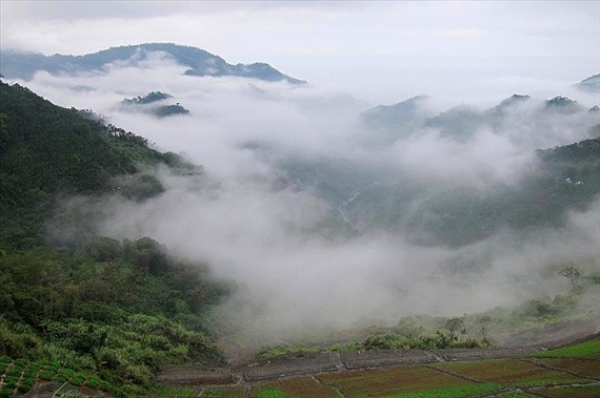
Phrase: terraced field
x=572 y=371
x=569 y=371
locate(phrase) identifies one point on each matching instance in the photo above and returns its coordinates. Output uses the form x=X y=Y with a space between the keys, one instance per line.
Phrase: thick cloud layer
x=277 y=238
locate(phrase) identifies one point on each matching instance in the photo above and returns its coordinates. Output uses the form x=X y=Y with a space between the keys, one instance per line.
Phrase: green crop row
x=21 y=375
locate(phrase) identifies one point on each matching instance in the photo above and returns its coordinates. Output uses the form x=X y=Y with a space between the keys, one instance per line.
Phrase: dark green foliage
x=104 y=312
x=46 y=150
x=170 y=110
x=147 y=99
x=148 y=104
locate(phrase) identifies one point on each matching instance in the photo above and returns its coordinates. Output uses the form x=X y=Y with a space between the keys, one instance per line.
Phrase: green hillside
x=112 y=311
x=46 y=150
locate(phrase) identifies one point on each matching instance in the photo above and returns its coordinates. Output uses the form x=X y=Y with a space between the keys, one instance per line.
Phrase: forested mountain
x=111 y=310
x=374 y=196
x=199 y=62
x=564 y=178
x=116 y=310
x=47 y=150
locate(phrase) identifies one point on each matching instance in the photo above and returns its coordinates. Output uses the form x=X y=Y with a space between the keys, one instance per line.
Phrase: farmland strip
x=450 y=373
x=557 y=369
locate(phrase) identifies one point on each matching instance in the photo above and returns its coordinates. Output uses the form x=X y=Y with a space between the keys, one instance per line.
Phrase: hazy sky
x=378 y=51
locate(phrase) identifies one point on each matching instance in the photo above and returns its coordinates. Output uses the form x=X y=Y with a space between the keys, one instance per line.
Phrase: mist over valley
x=329 y=213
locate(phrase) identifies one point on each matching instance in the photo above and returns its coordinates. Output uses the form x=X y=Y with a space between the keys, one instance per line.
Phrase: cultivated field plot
x=572 y=392
x=587 y=349
x=580 y=367
x=510 y=372
x=392 y=382
x=303 y=387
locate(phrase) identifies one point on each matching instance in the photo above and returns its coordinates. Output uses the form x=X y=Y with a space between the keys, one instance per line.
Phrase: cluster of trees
x=117 y=308
x=147 y=99
x=159 y=111
x=46 y=150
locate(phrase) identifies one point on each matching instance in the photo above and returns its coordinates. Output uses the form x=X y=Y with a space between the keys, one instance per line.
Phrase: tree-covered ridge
x=566 y=178
x=199 y=62
x=150 y=104
x=46 y=150
x=149 y=98
x=116 y=310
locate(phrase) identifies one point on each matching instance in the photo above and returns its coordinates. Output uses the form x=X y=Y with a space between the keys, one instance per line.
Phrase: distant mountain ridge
x=200 y=62
x=591 y=84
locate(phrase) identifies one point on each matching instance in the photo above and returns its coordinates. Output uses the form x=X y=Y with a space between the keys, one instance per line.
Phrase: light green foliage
x=586 y=349
x=271 y=393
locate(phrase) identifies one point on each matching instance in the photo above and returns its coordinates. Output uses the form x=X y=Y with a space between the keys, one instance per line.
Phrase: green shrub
x=46 y=375
x=76 y=380
x=93 y=382
x=10 y=384
x=14 y=371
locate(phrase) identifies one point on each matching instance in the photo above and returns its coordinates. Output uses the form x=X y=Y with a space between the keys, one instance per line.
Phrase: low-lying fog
x=246 y=219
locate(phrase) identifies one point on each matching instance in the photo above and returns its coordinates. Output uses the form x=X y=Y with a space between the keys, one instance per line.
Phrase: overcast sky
x=378 y=51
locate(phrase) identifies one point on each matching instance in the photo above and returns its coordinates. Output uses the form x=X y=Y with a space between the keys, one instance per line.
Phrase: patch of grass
x=284 y=349
x=302 y=387
x=271 y=393
x=517 y=394
x=224 y=392
x=587 y=349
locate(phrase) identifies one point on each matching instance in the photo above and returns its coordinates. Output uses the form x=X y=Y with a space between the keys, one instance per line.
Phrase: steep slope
x=199 y=62
x=46 y=150
x=105 y=312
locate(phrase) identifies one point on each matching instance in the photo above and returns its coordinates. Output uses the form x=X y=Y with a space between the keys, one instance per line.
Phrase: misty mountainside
x=154 y=103
x=114 y=309
x=199 y=62
x=387 y=124
x=591 y=84
x=46 y=150
x=474 y=198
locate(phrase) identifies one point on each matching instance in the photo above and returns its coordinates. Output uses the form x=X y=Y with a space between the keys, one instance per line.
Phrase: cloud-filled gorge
x=327 y=216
